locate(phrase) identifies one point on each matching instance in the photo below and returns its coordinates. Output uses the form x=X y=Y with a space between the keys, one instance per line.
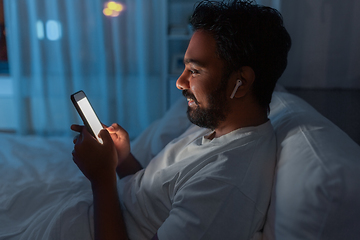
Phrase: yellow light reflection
x=119 y=8
x=112 y=5
x=113 y=9
x=107 y=12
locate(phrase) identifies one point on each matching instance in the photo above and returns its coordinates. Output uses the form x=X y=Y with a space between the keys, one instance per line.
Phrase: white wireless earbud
x=238 y=84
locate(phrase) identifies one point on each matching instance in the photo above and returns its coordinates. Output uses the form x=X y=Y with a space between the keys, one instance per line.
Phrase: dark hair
x=247 y=34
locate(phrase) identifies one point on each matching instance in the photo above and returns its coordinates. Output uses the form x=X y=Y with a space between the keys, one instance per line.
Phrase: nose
x=183 y=82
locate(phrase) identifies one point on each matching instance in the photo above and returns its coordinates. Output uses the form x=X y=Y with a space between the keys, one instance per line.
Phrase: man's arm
x=98 y=163
x=108 y=220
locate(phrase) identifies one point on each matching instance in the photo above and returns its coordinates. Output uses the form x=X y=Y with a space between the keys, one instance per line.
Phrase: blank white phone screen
x=90 y=116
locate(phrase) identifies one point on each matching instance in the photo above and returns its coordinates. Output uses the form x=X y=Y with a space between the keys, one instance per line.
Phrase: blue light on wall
x=40 y=30
x=52 y=30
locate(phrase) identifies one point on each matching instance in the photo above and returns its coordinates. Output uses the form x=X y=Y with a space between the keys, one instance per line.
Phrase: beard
x=216 y=111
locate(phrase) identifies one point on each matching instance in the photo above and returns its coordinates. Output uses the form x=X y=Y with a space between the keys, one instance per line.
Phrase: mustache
x=189 y=95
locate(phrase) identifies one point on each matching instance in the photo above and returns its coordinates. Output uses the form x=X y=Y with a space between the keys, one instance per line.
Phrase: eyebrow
x=190 y=60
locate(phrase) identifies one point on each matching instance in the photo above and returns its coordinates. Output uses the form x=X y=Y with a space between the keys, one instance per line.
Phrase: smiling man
x=208 y=84
x=202 y=64
x=214 y=181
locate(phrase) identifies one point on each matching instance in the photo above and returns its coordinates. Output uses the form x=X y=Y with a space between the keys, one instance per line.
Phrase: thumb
x=105 y=136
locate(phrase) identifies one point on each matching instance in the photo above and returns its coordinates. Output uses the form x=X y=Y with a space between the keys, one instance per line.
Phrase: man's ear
x=247 y=76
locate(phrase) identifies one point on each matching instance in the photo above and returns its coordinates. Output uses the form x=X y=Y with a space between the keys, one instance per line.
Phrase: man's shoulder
x=263 y=133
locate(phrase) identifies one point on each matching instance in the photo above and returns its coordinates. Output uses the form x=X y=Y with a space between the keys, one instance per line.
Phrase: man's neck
x=249 y=117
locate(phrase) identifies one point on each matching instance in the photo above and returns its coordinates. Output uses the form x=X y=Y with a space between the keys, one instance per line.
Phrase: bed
x=316 y=194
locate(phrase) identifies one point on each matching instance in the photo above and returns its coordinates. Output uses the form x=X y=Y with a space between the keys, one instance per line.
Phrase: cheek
x=198 y=90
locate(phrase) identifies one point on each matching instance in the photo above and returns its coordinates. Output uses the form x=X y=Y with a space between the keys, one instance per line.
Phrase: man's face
x=204 y=82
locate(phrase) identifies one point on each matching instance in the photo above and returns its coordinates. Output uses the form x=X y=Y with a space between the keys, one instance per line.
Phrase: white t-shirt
x=203 y=189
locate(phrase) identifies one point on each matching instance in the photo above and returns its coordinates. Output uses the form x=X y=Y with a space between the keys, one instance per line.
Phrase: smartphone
x=87 y=114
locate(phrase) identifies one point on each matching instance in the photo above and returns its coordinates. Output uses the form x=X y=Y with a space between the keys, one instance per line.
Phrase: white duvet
x=43 y=195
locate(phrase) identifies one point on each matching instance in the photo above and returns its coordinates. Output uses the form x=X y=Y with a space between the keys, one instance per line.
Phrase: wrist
x=104 y=181
x=128 y=167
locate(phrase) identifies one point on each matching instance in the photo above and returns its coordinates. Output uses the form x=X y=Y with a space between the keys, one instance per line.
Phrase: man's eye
x=193 y=71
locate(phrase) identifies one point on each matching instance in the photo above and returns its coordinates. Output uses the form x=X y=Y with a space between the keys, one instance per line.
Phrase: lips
x=191 y=102
x=190 y=98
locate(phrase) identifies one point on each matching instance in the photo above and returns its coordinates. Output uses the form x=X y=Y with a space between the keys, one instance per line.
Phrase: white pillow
x=317 y=188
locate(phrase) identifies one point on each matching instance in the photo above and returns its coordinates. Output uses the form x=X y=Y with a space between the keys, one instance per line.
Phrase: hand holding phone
x=87 y=114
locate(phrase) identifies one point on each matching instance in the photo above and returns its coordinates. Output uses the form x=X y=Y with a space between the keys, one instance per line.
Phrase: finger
x=104 y=126
x=86 y=134
x=111 y=129
x=76 y=138
x=77 y=146
x=75 y=160
x=105 y=136
x=115 y=128
x=77 y=128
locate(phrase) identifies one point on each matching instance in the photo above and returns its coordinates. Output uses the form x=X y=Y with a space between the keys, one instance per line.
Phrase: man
x=214 y=182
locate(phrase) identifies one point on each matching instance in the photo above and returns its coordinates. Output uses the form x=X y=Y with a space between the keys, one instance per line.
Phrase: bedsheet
x=43 y=195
